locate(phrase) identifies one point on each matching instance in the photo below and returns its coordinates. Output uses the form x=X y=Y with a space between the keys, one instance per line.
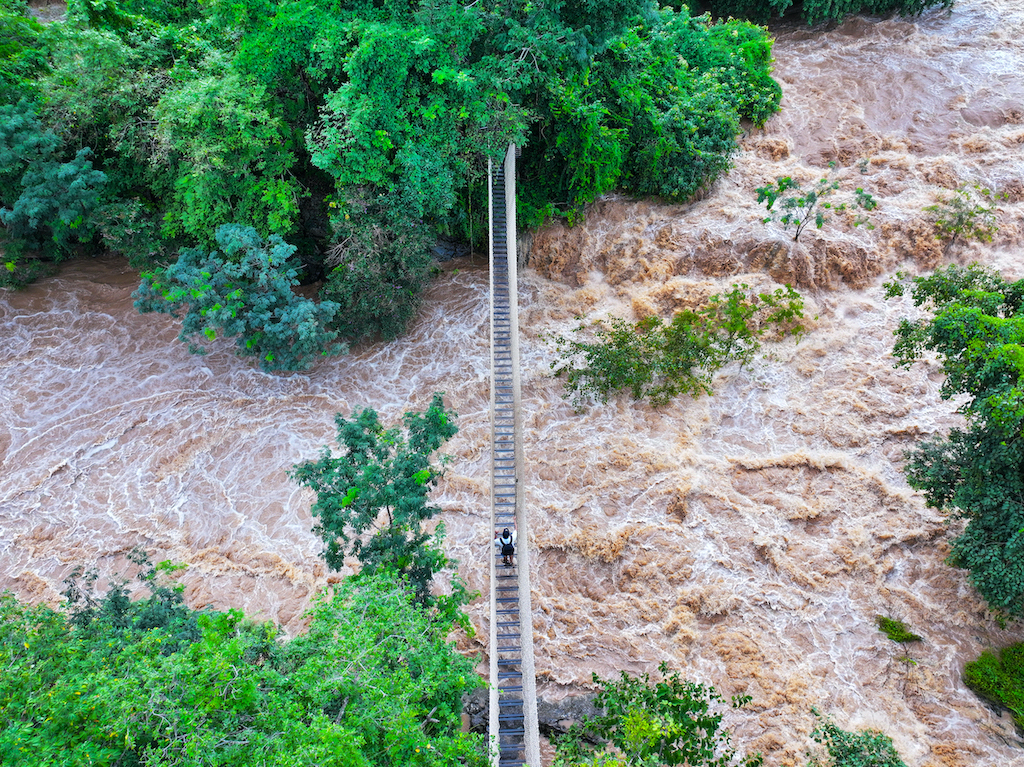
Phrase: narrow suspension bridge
x=513 y=697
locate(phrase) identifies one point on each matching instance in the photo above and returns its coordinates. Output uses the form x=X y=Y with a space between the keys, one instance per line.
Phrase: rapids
x=747 y=538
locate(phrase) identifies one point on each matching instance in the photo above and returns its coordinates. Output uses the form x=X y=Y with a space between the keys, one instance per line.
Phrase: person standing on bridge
x=507 y=542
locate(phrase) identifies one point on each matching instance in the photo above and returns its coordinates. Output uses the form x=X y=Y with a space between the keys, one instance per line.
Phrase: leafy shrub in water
x=814 y=11
x=798 y=208
x=243 y=291
x=867 y=748
x=379 y=266
x=651 y=359
x=896 y=630
x=970 y=214
x=999 y=677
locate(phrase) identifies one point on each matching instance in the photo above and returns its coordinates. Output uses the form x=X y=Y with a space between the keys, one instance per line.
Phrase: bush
x=650 y=359
x=867 y=748
x=896 y=630
x=47 y=204
x=244 y=291
x=965 y=216
x=378 y=268
x=999 y=677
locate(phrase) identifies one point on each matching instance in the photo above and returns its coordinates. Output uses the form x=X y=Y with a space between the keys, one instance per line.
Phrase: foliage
x=378 y=268
x=23 y=51
x=965 y=215
x=975 y=324
x=999 y=677
x=815 y=11
x=643 y=724
x=866 y=748
x=896 y=630
x=243 y=291
x=232 y=155
x=373 y=682
x=660 y=361
x=372 y=499
x=798 y=208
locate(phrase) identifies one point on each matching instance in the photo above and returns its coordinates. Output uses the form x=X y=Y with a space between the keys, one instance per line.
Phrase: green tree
x=659 y=361
x=974 y=322
x=376 y=270
x=372 y=500
x=243 y=291
x=644 y=724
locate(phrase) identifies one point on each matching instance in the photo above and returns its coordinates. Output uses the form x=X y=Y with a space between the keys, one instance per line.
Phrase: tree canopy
x=372 y=499
x=357 y=132
x=974 y=322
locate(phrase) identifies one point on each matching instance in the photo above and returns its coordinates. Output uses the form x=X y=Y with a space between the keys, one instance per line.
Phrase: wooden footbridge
x=513 y=704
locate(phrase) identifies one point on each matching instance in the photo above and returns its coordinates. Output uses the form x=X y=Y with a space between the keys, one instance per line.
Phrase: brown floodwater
x=749 y=538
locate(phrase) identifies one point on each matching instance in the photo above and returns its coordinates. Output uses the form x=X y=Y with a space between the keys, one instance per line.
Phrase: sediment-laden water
x=748 y=539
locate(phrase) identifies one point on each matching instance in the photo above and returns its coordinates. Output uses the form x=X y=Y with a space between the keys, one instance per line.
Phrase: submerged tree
x=659 y=361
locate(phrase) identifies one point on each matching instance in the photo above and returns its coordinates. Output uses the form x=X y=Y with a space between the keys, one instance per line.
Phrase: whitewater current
x=749 y=539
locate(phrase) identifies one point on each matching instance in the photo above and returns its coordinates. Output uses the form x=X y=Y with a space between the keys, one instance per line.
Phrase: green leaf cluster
x=372 y=499
x=373 y=682
x=866 y=748
x=243 y=291
x=815 y=11
x=377 y=267
x=975 y=324
x=798 y=208
x=645 y=724
x=659 y=361
x=999 y=677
